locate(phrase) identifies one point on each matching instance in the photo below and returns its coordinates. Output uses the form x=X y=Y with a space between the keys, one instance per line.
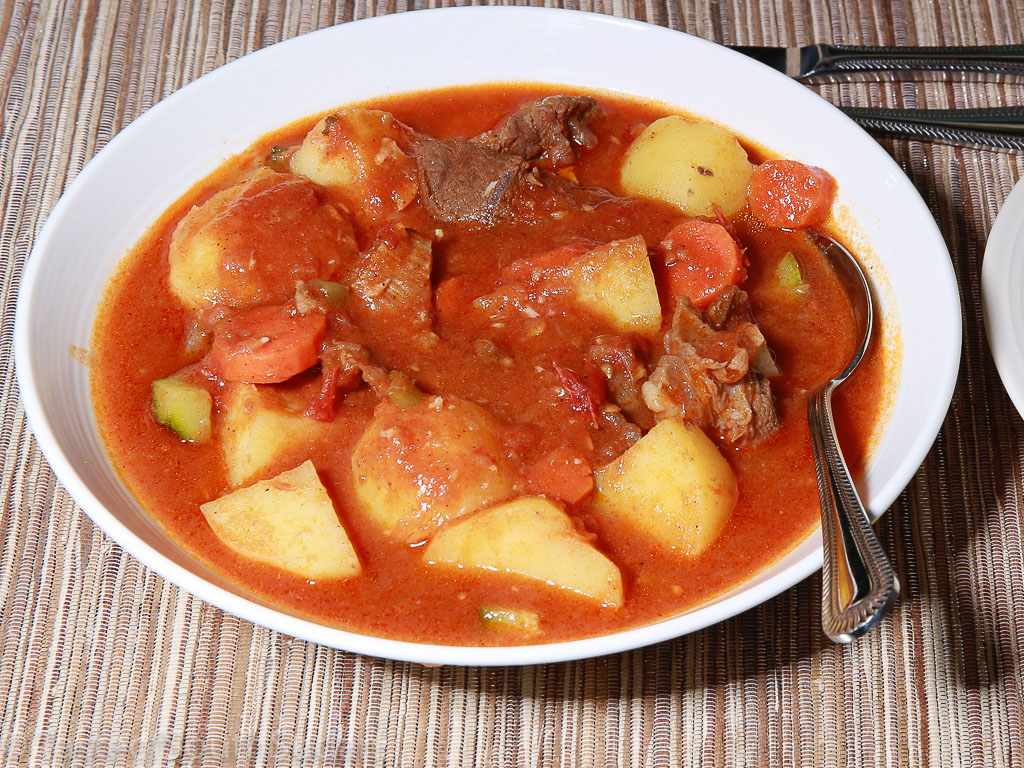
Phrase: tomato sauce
x=140 y=336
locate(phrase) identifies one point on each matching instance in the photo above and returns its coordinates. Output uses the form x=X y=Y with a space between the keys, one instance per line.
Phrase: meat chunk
x=464 y=181
x=708 y=375
x=476 y=180
x=547 y=131
x=624 y=371
x=391 y=285
x=342 y=364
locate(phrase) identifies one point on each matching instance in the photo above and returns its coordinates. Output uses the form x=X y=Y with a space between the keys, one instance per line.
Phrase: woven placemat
x=105 y=664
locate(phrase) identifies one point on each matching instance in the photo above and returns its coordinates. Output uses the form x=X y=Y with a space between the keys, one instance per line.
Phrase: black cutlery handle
x=997 y=128
x=838 y=59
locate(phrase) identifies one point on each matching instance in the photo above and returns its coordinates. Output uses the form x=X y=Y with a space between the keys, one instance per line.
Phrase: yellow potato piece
x=364 y=156
x=615 y=281
x=673 y=484
x=239 y=247
x=288 y=522
x=692 y=165
x=257 y=427
x=529 y=537
x=415 y=468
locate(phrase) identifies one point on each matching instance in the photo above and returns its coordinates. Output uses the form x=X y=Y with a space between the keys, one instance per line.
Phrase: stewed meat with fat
x=546 y=132
x=477 y=179
x=714 y=371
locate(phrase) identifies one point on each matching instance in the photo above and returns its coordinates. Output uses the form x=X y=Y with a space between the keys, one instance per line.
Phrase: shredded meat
x=341 y=362
x=709 y=374
x=391 y=284
x=624 y=371
x=547 y=131
x=464 y=181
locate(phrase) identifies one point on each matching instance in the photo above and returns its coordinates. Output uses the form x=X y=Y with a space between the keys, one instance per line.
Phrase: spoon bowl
x=858 y=582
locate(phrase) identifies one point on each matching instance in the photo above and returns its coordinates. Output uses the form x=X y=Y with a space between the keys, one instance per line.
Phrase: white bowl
x=155 y=160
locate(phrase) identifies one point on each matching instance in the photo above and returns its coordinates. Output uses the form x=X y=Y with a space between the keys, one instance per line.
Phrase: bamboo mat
x=105 y=664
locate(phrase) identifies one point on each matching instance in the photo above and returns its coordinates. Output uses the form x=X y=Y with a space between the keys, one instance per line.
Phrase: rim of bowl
x=734 y=601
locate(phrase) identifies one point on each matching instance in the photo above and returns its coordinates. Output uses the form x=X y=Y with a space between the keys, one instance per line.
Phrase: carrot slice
x=785 y=193
x=700 y=258
x=529 y=269
x=561 y=474
x=266 y=345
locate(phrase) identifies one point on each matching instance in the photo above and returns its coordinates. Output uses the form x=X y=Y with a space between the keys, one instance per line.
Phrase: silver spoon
x=859 y=584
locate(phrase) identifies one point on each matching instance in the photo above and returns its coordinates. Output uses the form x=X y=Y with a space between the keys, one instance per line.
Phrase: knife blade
x=823 y=60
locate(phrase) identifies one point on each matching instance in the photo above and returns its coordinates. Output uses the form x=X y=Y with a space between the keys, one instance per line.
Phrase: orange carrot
x=700 y=258
x=266 y=345
x=791 y=195
x=527 y=270
x=561 y=474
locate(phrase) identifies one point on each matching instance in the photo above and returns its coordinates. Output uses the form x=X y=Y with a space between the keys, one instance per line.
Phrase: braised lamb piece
x=463 y=181
x=478 y=179
x=624 y=371
x=547 y=131
x=714 y=369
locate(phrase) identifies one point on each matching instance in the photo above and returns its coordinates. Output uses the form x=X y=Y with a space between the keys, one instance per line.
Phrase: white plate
x=1002 y=290
x=155 y=160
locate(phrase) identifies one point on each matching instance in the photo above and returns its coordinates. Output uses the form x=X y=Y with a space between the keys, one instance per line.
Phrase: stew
x=488 y=365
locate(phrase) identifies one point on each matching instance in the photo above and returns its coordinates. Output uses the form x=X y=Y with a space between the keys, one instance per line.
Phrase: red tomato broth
x=139 y=335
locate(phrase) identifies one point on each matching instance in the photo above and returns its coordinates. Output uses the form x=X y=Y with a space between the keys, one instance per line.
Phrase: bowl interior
x=157 y=159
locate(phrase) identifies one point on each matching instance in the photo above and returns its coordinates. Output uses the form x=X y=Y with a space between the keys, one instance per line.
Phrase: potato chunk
x=692 y=165
x=248 y=244
x=673 y=484
x=288 y=522
x=258 y=427
x=615 y=281
x=436 y=460
x=362 y=155
x=612 y=280
x=529 y=537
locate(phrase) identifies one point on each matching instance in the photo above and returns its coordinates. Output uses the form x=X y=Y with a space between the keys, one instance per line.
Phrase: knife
x=993 y=128
x=808 y=61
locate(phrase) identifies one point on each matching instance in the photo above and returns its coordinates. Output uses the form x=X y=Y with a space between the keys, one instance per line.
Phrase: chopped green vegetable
x=788 y=274
x=336 y=293
x=510 y=619
x=278 y=158
x=402 y=391
x=183 y=407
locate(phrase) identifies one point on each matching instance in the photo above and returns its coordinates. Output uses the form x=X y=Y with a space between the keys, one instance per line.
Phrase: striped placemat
x=105 y=664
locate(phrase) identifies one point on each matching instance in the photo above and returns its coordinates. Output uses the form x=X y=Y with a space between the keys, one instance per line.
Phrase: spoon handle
x=859 y=584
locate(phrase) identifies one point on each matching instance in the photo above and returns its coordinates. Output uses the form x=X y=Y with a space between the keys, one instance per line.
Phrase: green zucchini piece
x=510 y=619
x=183 y=407
x=402 y=391
x=277 y=159
x=335 y=293
x=788 y=275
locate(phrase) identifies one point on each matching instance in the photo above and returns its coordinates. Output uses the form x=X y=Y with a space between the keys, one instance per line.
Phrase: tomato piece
x=266 y=345
x=561 y=474
x=700 y=258
x=452 y=297
x=335 y=379
x=583 y=395
x=788 y=194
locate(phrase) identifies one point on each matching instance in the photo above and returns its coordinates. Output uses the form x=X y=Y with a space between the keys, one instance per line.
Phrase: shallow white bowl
x=155 y=160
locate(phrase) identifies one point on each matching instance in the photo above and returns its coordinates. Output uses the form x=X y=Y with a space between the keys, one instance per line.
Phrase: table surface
x=105 y=663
